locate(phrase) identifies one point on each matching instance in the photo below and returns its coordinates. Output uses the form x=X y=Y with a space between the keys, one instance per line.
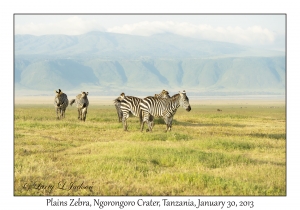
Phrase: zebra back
x=155 y=106
x=131 y=104
x=161 y=107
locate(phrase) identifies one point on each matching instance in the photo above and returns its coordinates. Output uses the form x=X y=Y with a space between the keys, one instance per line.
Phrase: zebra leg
x=81 y=115
x=168 y=121
x=63 y=113
x=141 y=116
x=124 y=120
x=57 y=113
x=145 y=119
x=78 y=113
x=120 y=113
x=121 y=117
x=151 y=122
x=142 y=126
x=149 y=119
x=84 y=112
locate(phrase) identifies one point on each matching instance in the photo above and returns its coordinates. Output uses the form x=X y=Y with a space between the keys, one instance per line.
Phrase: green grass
x=238 y=151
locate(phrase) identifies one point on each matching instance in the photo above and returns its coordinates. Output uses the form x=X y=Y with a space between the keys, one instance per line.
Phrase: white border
x=8 y=201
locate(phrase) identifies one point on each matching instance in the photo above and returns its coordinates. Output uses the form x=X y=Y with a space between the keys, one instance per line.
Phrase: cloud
x=247 y=36
x=71 y=26
x=75 y=25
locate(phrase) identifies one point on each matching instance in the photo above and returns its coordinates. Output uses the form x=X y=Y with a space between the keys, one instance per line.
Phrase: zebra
x=82 y=103
x=129 y=105
x=60 y=103
x=117 y=103
x=166 y=108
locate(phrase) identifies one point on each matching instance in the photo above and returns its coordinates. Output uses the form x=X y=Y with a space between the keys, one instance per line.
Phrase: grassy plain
x=240 y=150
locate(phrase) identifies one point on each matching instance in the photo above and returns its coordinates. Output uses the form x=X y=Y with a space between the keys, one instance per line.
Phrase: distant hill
x=107 y=64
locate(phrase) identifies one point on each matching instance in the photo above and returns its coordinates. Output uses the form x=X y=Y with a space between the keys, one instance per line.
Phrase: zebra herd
x=159 y=105
x=61 y=103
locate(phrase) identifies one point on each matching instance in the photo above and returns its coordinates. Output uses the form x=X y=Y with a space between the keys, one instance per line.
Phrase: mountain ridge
x=105 y=62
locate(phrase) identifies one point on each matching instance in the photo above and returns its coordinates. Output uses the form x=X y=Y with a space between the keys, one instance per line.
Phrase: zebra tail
x=72 y=102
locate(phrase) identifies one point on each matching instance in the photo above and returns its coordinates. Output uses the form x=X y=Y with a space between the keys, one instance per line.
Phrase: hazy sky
x=266 y=31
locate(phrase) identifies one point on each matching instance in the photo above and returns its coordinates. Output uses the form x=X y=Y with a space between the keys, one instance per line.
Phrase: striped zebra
x=117 y=103
x=82 y=103
x=127 y=105
x=60 y=103
x=166 y=108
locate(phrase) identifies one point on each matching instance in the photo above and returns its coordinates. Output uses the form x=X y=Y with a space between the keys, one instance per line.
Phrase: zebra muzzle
x=188 y=108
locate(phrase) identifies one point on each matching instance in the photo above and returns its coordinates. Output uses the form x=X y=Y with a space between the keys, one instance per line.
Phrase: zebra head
x=163 y=94
x=57 y=99
x=121 y=97
x=84 y=94
x=184 y=101
x=58 y=92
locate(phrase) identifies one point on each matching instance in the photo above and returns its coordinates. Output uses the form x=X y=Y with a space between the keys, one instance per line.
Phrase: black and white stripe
x=117 y=103
x=126 y=105
x=60 y=103
x=161 y=107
